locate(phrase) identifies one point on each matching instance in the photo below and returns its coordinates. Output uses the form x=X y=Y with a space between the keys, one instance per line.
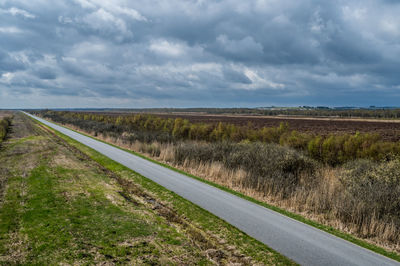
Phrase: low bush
x=373 y=190
x=270 y=168
x=362 y=196
x=4 y=124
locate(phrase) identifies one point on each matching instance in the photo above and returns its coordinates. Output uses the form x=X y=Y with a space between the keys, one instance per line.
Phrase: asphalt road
x=304 y=244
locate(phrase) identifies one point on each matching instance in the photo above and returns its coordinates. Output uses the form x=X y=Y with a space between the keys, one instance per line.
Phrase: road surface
x=302 y=243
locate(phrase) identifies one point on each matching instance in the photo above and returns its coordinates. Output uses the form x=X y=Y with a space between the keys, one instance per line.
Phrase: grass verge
x=57 y=206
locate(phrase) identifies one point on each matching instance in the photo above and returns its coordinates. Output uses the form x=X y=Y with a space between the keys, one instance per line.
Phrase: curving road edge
x=302 y=243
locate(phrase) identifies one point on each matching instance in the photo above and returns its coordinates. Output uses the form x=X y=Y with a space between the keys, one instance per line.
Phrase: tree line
x=345 y=112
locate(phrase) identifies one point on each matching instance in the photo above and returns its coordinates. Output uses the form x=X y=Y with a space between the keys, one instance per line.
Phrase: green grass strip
x=328 y=229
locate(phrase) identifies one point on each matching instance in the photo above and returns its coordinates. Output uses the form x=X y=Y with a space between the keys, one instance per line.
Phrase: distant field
x=388 y=129
x=5 y=114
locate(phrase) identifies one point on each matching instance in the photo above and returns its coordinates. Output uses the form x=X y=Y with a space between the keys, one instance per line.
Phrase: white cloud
x=206 y=67
x=10 y=30
x=113 y=7
x=391 y=26
x=6 y=77
x=353 y=12
x=258 y=82
x=132 y=13
x=164 y=47
x=18 y=12
x=86 y=3
x=103 y=21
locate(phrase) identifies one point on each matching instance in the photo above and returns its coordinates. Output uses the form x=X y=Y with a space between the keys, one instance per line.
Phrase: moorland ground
x=388 y=129
x=63 y=203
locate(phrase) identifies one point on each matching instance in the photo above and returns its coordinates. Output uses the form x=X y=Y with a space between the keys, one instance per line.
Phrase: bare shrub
x=373 y=191
x=270 y=168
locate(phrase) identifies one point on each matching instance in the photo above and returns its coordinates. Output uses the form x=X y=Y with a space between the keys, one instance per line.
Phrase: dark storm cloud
x=229 y=52
x=9 y=64
x=45 y=73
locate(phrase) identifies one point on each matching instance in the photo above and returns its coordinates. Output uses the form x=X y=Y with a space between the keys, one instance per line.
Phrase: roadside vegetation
x=360 y=197
x=4 y=125
x=350 y=182
x=63 y=203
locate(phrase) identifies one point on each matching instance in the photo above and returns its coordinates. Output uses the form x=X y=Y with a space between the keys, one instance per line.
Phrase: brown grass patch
x=18 y=249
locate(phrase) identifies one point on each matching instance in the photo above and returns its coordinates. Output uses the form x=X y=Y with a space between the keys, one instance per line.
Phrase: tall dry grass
x=325 y=198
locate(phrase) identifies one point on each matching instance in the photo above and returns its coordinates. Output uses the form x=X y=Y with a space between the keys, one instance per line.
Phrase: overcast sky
x=186 y=53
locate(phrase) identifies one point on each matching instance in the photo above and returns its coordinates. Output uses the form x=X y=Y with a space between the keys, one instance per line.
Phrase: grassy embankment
x=62 y=202
x=360 y=197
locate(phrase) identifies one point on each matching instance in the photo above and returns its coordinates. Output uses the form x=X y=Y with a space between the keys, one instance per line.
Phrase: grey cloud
x=45 y=73
x=8 y=63
x=236 y=76
x=246 y=49
x=206 y=53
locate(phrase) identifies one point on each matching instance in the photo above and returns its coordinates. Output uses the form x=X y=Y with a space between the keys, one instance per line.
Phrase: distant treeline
x=4 y=124
x=347 y=113
x=389 y=113
x=332 y=149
